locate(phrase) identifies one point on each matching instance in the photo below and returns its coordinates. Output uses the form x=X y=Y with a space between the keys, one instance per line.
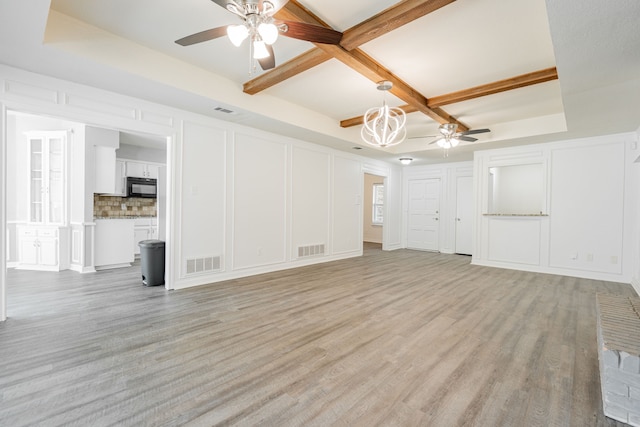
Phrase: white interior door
x=423 y=216
x=464 y=211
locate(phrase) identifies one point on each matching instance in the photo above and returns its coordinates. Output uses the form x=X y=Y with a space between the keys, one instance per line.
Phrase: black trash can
x=152 y=262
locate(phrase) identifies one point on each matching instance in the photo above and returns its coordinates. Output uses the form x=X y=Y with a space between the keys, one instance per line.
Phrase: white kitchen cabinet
x=47 y=177
x=43 y=242
x=43 y=248
x=142 y=170
x=105 y=170
x=104 y=143
x=144 y=229
x=140 y=234
x=121 y=178
x=114 y=239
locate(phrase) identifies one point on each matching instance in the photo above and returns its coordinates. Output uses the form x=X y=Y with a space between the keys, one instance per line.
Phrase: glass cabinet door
x=47 y=177
x=55 y=181
x=36 y=180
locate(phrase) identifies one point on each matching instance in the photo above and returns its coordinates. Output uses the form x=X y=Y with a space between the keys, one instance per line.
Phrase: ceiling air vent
x=224 y=110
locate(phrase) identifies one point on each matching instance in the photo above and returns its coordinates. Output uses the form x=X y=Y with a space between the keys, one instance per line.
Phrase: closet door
x=464 y=214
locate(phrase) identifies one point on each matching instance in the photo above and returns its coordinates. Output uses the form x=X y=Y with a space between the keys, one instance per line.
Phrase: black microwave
x=142 y=187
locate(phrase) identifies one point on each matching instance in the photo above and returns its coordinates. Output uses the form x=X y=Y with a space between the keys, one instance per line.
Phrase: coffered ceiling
x=498 y=64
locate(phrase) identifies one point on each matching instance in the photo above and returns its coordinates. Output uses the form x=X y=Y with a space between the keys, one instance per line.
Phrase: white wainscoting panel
x=260 y=208
x=203 y=195
x=347 y=205
x=310 y=185
x=514 y=240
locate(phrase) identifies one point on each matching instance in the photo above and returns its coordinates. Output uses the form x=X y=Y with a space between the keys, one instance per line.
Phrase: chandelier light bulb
x=237 y=34
x=268 y=33
x=260 y=50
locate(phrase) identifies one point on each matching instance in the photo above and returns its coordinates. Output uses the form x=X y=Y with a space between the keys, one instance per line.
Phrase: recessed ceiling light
x=406 y=160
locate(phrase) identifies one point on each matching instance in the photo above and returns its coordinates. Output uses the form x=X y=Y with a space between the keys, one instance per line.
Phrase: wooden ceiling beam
x=376 y=26
x=388 y=20
x=516 y=82
x=291 y=68
x=374 y=71
x=435 y=102
x=362 y=63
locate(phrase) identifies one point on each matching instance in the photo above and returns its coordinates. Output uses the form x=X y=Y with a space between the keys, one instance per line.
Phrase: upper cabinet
x=104 y=143
x=47 y=177
x=142 y=170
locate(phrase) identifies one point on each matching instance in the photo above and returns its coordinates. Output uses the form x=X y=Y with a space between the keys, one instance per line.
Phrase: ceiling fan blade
x=422 y=137
x=436 y=140
x=270 y=61
x=474 y=131
x=277 y=4
x=221 y=3
x=466 y=138
x=311 y=33
x=203 y=36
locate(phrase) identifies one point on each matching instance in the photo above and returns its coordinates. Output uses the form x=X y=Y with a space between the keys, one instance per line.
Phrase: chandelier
x=384 y=126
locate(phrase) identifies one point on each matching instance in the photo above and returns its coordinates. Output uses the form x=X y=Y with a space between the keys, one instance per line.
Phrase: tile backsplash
x=112 y=207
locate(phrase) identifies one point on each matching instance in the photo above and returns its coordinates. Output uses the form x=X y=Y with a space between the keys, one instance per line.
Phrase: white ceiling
x=128 y=47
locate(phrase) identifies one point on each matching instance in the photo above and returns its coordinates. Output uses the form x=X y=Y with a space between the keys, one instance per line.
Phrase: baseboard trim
x=635 y=284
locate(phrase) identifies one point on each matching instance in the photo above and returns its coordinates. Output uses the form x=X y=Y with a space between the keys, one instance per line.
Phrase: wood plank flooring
x=401 y=338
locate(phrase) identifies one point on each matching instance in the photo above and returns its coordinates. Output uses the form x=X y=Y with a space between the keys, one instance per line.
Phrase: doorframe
x=43 y=110
x=471 y=218
x=384 y=174
x=3 y=212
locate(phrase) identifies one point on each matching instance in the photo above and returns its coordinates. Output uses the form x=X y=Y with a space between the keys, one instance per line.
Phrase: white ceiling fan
x=449 y=138
x=259 y=26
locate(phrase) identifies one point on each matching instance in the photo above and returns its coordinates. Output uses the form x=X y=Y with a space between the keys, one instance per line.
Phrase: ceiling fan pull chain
x=252 y=62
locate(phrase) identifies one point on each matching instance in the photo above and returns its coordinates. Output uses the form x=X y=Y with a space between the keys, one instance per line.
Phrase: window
x=378 y=204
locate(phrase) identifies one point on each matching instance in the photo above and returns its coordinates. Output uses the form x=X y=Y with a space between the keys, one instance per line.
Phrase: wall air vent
x=309 y=251
x=203 y=265
x=224 y=110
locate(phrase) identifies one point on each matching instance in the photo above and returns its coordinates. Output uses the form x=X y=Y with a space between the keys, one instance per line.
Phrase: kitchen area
x=84 y=197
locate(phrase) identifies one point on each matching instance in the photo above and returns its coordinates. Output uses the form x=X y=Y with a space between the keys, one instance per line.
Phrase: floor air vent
x=311 y=250
x=203 y=265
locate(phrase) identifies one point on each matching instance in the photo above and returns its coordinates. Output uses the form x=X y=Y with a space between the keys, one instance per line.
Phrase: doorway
x=373 y=209
x=16 y=195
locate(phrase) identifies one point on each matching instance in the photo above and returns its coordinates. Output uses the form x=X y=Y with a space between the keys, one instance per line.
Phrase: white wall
x=371 y=233
x=590 y=193
x=249 y=197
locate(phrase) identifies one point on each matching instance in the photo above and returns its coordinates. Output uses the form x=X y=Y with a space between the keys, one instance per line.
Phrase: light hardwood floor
x=392 y=338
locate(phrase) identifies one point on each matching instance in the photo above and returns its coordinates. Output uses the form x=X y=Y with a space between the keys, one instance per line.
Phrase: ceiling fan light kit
x=384 y=126
x=237 y=34
x=450 y=138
